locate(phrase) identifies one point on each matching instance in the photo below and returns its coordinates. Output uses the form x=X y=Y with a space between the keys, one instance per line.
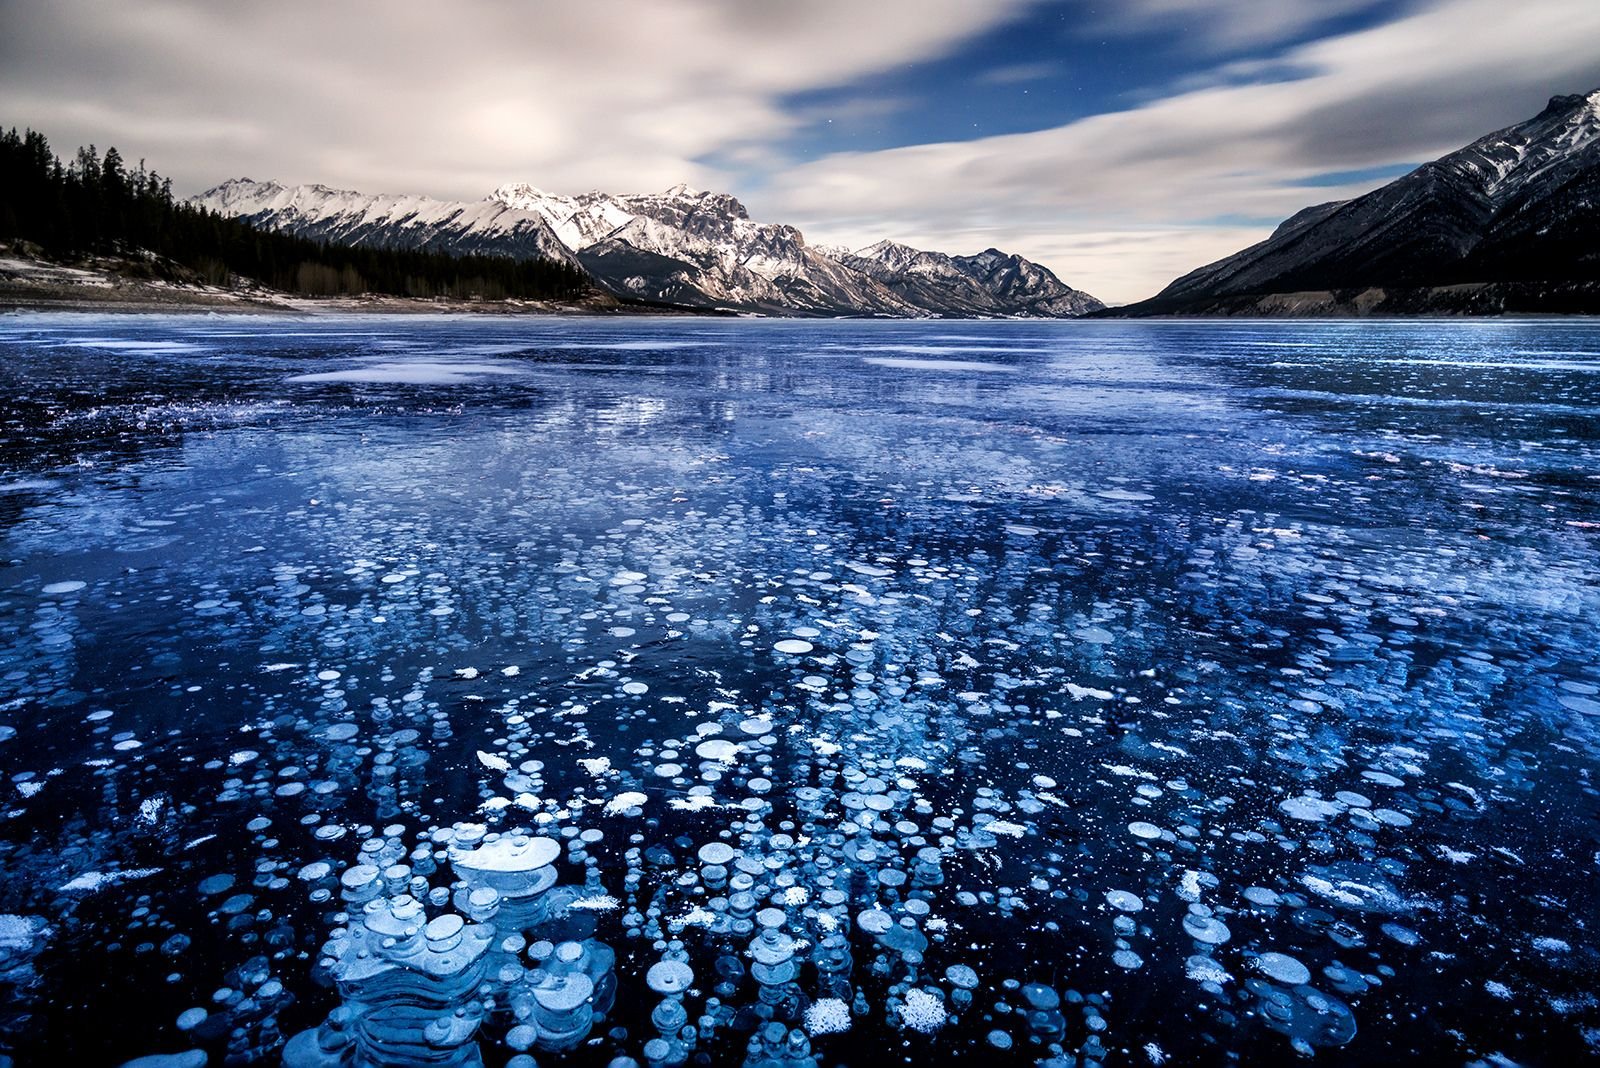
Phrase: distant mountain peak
x=682 y=245
x=514 y=191
x=388 y=220
x=1563 y=102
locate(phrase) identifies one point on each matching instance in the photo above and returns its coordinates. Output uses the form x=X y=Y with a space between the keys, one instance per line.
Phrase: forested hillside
x=99 y=205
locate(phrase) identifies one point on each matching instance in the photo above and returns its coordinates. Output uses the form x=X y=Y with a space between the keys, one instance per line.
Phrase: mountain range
x=1509 y=223
x=682 y=247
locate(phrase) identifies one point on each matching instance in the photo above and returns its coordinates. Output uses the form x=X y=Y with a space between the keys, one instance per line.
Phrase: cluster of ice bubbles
x=823 y=906
x=458 y=935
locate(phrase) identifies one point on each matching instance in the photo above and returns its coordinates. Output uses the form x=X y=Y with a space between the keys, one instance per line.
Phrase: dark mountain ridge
x=1511 y=222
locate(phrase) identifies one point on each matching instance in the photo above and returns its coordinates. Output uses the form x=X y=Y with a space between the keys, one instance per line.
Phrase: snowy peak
x=388 y=220
x=989 y=283
x=518 y=194
x=892 y=257
x=682 y=245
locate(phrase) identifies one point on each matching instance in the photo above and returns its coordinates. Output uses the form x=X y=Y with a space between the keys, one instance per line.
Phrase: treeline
x=98 y=204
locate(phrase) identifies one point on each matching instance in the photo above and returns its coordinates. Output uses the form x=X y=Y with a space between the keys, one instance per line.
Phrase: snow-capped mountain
x=694 y=247
x=990 y=283
x=387 y=220
x=681 y=246
x=1513 y=216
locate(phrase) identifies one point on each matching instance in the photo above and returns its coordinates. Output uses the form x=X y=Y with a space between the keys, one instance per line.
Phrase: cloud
x=449 y=99
x=1404 y=91
x=1019 y=73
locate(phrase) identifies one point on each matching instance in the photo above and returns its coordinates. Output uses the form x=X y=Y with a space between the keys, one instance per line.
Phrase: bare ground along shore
x=101 y=285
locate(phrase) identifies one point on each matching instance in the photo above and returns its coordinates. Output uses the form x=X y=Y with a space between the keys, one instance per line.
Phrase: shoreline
x=34 y=285
x=180 y=301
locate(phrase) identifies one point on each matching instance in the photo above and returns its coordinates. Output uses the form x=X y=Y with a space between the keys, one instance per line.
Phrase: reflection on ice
x=412 y=372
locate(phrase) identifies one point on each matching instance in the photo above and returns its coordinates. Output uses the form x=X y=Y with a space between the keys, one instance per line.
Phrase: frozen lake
x=798 y=693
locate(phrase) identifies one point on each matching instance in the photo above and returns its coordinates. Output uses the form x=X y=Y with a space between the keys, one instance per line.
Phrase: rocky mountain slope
x=990 y=283
x=1509 y=223
x=682 y=246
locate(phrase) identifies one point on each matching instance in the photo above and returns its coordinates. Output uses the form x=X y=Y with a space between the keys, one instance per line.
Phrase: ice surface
x=417 y=373
x=913 y=364
x=719 y=702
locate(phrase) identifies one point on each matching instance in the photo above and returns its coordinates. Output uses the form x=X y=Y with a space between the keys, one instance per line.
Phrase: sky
x=1119 y=142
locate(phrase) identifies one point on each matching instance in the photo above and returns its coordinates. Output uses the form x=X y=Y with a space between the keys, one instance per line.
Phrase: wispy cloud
x=1019 y=73
x=450 y=99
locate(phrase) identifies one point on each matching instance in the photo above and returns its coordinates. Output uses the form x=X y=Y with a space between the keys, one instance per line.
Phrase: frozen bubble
x=1124 y=495
x=628 y=799
x=1309 y=809
x=922 y=1010
x=635 y=688
x=716 y=853
x=669 y=977
x=1585 y=705
x=194 y=1058
x=1039 y=996
x=566 y=993
x=794 y=646
x=1127 y=958
x=69 y=586
x=1261 y=895
x=514 y=853
x=1207 y=929
x=718 y=749
x=1382 y=778
x=1140 y=829
x=1282 y=968
x=827 y=1016
x=962 y=977
x=1123 y=901
x=1203 y=969
x=875 y=921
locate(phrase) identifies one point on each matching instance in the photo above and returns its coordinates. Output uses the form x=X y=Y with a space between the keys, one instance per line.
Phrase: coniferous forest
x=99 y=205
